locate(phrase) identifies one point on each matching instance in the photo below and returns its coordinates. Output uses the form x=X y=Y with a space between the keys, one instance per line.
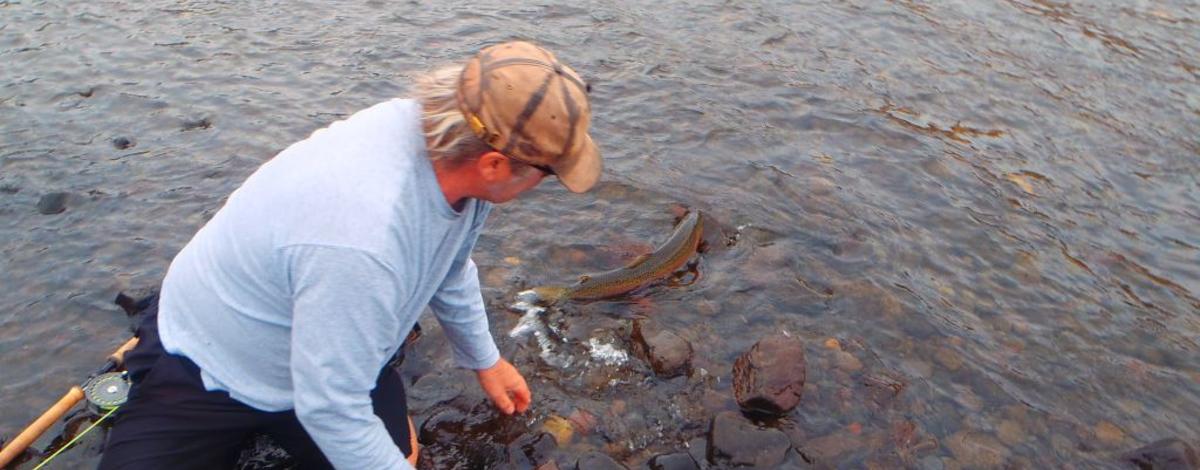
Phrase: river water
x=988 y=207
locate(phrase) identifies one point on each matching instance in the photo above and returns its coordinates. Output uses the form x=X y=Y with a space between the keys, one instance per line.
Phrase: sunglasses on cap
x=543 y=168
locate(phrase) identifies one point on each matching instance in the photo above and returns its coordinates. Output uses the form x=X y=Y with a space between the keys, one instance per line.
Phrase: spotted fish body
x=670 y=256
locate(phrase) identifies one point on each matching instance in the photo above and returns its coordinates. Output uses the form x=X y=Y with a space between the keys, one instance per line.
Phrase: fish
x=645 y=269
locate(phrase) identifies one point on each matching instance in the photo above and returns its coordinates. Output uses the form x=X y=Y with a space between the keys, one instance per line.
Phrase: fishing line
x=106 y=392
x=76 y=438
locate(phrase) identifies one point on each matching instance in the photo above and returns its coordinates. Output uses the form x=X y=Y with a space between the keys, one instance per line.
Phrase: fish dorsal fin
x=636 y=261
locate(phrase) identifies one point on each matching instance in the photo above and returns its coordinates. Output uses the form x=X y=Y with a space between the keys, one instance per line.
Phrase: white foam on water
x=607 y=354
x=528 y=296
x=528 y=323
x=531 y=323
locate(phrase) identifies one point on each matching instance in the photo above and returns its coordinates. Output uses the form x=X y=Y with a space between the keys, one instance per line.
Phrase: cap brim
x=580 y=171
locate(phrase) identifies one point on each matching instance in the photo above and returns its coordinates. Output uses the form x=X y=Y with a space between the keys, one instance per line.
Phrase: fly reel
x=107 y=391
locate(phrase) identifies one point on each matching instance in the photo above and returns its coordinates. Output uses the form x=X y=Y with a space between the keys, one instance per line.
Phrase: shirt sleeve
x=458 y=306
x=344 y=329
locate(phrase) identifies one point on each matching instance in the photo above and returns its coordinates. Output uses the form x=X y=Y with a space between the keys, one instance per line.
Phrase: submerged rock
x=734 y=440
x=976 y=449
x=679 y=461
x=1164 y=454
x=433 y=389
x=531 y=450
x=53 y=203
x=598 y=461
x=769 y=378
x=668 y=354
x=122 y=143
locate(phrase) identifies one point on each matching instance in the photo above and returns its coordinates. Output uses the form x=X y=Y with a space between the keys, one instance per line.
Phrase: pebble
x=560 y=428
x=931 y=462
x=820 y=186
x=495 y=276
x=582 y=421
x=598 y=461
x=870 y=299
x=832 y=343
x=825 y=450
x=976 y=449
x=917 y=368
x=847 y=362
x=1109 y=433
x=948 y=358
x=1063 y=446
x=1010 y=432
x=969 y=399
x=53 y=203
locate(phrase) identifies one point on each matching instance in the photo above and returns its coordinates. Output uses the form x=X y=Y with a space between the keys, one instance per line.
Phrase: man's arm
x=343 y=330
x=458 y=305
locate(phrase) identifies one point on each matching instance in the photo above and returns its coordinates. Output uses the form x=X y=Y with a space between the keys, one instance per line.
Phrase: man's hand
x=505 y=386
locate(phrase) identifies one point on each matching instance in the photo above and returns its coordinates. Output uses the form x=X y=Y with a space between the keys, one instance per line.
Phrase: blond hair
x=447 y=136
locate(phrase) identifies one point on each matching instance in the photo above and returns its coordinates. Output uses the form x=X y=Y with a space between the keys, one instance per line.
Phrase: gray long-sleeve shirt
x=305 y=283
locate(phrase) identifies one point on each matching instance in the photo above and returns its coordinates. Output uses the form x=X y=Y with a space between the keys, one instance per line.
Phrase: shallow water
x=990 y=206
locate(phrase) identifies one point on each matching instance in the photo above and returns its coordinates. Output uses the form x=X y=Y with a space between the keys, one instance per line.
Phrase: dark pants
x=171 y=422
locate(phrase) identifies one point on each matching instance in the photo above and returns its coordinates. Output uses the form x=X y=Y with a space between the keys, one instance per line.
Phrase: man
x=281 y=314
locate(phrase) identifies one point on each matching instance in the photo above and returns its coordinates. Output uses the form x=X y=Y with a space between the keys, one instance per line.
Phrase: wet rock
x=444 y=426
x=697 y=449
x=1164 y=454
x=551 y=465
x=560 y=428
x=948 y=358
x=734 y=440
x=827 y=449
x=1109 y=433
x=598 y=461
x=197 y=123
x=820 y=186
x=1010 y=432
x=122 y=143
x=769 y=378
x=680 y=461
x=433 y=389
x=668 y=354
x=847 y=362
x=53 y=203
x=865 y=297
x=931 y=462
x=531 y=450
x=976 y=449
x=582 y=421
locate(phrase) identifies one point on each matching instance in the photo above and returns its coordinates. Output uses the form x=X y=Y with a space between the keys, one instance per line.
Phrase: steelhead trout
x=671 y=255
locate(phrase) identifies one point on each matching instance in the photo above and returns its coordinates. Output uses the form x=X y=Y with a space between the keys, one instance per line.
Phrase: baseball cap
x=527 y=105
